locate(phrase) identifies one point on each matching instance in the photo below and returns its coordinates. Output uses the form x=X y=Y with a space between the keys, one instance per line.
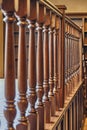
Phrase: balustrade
x=39 y=65
x=49 y=82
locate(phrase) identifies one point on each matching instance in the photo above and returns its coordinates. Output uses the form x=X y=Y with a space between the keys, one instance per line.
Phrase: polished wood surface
x=22 y=66
x=49 y=67
x=55 y=66
x=39 y=66
x=46 y=67
x=9 y=108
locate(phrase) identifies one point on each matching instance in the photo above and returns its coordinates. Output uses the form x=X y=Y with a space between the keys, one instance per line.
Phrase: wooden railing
x=50 y=83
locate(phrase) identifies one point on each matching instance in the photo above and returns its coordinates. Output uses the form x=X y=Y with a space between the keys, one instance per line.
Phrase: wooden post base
x=32 y=118
x=53 y=105
x=57 y=101
x=40 y=112
x=22 y=126
x=47 y=111
x=56 y=98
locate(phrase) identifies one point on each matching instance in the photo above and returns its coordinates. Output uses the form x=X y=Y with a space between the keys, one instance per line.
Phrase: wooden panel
x=1 y=46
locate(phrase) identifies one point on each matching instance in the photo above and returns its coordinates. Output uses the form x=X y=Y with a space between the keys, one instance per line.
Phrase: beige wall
x=1 y=46
x=72 y=5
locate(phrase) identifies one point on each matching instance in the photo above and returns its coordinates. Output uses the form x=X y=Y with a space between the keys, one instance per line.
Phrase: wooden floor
x=85 y=125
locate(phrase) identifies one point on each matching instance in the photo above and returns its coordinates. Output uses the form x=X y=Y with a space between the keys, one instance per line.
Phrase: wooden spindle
x=39 y=66
x=57 y=29
x=9 y=110
x=58 y=26
x=51 y=82
x=46 y=66
x=55 y=66
x=22 y=65
x=62 y=8
x=32 y=117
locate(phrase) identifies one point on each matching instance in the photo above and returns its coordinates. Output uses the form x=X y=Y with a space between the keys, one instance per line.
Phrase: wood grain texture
x=9 y=109
x=22 y=66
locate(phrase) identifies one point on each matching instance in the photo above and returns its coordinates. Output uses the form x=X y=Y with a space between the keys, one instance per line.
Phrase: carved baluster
x=73 y=61
x=22 y=71
x=58 y=25
x=46 y=66
x=62 y=8
x=51 y=82
x=9 y=110
x=68 y=61
x=39 y=66
x=55 y=66
x=57 y=35
x=32 y=117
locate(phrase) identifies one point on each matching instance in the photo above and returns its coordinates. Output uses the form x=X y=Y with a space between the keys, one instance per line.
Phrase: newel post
x=9 y=109
x=21 y=14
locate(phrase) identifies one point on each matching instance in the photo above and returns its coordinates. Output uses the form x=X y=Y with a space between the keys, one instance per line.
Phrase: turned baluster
x=62 y=8
x=58 y=25
x=46 y=66
x=68 y=61
x=51 y=82
x=78 y=63
x=71 y=63
x=57 y=37
x=68 y=57
x=65 y=68
x=74 y=61
x=55 y=65
x=32 y=116
x=22 y=63
x=9 y=110
x=39 y=66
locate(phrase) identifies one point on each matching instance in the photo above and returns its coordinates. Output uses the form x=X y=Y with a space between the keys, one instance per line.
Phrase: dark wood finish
x=22 y=65
x=63 y=8
x=51 y=66
x=32 y=117
x=58 y=36
x=9 y=109
x=55 y=65
x=46 y=66
x=58 y=26
x=39 y=66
